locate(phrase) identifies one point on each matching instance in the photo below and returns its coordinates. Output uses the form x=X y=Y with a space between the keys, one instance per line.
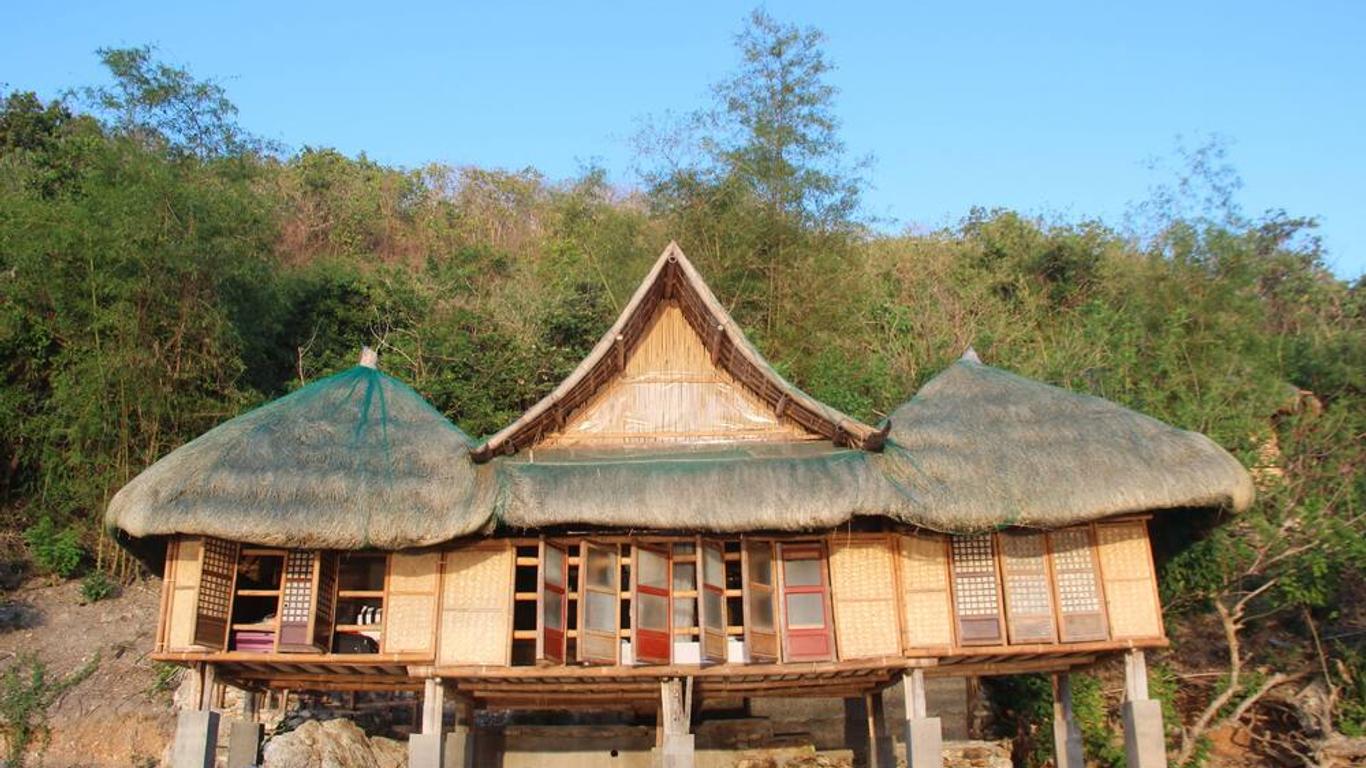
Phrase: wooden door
x=552 y=604
x=599 y=603
x=651 y=626
x=711 y=601
x=213 y=604
x=807 y=633
x=761 y=625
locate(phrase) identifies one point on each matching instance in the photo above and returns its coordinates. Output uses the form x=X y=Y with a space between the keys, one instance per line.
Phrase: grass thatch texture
x=355 y=460
x=978 y=447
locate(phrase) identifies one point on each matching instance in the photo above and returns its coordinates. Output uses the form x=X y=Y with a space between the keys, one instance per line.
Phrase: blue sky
x=1049 y=108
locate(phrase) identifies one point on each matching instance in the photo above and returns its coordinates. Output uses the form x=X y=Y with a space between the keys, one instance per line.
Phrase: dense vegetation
x=161 y=271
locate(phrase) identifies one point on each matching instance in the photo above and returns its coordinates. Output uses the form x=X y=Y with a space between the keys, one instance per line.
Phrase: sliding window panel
x=976 y=591
x=325 y=614
x=761 y=609
x=1077 y=584
x=1126 y=561
x=1029 y=597
x=410 y=602
x=552 y=603
x=805 y=587
x=599 y=603
x=651 y=627
x=213 y=604
x=183 y=586
x=712 y=600
x=926 y=595
x=297 y=596
x=863 y=594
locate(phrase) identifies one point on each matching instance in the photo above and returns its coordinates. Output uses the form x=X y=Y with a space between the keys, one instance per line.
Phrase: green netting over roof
x=354 y=460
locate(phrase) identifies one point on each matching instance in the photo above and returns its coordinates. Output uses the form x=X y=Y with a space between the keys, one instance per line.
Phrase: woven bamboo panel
x=1130 y=586
x=408 y=624
x=671 y=390
x=1029 y=599
x=863 y=593
x=476 y=600
x=925 y=591
x=414 y=573
x=184 y=591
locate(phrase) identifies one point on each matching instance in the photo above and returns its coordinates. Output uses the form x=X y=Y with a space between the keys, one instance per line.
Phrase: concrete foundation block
x=244 y=743
x=924 y=743
x=426 y=750
x=459 y=748
x=196 y=739
x=677 y=751
x=1144 y=742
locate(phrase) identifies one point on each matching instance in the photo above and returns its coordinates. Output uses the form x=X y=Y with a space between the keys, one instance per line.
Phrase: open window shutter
x=711 y=601
x=1029 y=599
x=863 y=595
x=1080 y=607
x=651 y=627
x=325 y=614
x=761 y=610
x=925 y=583
x=297 y=603
x=805 y=588
x=976 y=595
x=1126 y=561
x=552 y=603
x=213 y=606
x=599 y=603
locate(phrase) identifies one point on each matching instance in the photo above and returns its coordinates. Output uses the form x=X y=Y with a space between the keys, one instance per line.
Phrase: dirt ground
x=115 y=717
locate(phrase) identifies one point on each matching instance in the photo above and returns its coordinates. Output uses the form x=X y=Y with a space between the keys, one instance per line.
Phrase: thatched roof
x=350 y=461
x=673 y=278
x=980 y=447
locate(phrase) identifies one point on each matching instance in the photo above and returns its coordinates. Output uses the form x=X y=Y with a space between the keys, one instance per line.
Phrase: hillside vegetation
x=162 y=271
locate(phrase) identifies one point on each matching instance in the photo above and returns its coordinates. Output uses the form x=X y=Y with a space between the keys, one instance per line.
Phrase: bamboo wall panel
x=1130 y=586
x=669 y=391
x=863 y=593
x=410 y=604
x=1029 y=599
x=925 y=589
x=1080 y=606
x=184 y=592
x=476 y=607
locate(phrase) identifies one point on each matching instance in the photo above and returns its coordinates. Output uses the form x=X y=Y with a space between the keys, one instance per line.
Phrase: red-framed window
x=805 y=585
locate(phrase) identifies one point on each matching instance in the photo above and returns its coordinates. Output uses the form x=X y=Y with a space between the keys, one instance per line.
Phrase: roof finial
x=368 y=357
x=970 y=355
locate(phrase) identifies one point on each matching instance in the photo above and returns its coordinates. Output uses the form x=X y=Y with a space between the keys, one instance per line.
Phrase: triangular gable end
x=674 y=332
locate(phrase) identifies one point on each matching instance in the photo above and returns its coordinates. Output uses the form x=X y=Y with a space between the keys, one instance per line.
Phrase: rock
x=333 y=744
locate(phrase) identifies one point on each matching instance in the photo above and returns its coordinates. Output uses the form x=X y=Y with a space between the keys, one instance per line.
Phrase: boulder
x=333 y=744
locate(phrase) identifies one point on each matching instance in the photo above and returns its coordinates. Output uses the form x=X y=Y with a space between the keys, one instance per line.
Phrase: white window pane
x=685 y=612
x=685 y=577
x=761 y=609
x=805 y=610
x=554 y=566
x=652 y=612
x=602 y=567
x=713 y=569
x=552 y=610
x=802 y=573
x=602 y=612
x=652 y=569
x=761 y=564
x=715 y=612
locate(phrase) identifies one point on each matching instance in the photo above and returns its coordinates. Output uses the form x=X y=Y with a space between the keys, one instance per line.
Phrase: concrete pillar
x=675 y=713
x=428 y=749
x=244 y=735
x=883 y=750
x=460 y=741
x=1145 y=744
x=924 y=734
x=856 y=731
x=196 y=739
x=1067 y=744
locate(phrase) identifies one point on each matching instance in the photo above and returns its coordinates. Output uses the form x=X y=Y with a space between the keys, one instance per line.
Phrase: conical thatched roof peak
x=358 y=459
x=979 y=447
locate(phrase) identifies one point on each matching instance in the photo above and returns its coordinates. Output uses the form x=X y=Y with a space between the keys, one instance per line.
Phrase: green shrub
x=95 y=587
x=54 y=551
x=26 y=694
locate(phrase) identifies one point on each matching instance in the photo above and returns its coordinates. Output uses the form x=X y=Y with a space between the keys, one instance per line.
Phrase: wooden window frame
x=552 y=644
x=713 y=640
x=761 y=645
x=964 y=625
x=583 y=634
x=645 y=641
x=807 y=550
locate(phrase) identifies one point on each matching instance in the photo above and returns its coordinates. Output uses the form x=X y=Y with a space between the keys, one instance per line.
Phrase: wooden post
x=1067 y=744
x=675 y=713
x=924 y=734
x=856 y=727
x=883 y=753
x=1144 y=741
